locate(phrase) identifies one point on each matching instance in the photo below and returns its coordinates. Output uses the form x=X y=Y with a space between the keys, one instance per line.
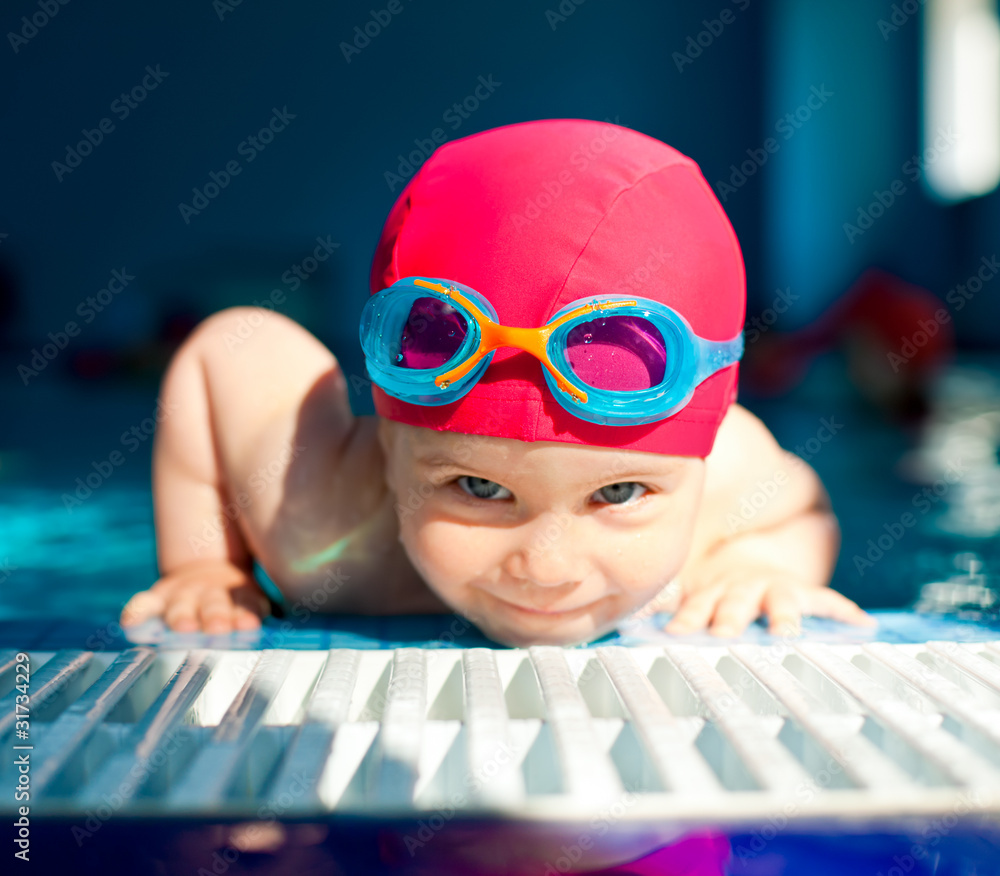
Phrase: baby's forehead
x=432 y=447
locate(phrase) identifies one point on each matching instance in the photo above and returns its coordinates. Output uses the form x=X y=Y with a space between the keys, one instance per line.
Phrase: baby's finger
x=695 y=610
x=830 y=603
x=216 y=610
x=783 y=607
x=245 y=619
x=737 y=608
x=143 y=606
x=181 y=613
x=251 y=606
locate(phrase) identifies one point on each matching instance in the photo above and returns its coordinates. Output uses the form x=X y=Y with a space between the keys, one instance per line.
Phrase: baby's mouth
x=546 y=612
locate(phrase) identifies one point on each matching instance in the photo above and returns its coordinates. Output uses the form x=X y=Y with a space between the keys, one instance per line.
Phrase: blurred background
x=162 y=161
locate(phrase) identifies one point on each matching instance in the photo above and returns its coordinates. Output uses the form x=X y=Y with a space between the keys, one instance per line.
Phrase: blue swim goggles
x=609 y=359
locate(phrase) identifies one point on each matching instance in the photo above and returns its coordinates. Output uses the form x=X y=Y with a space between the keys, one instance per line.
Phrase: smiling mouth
x=537 y=612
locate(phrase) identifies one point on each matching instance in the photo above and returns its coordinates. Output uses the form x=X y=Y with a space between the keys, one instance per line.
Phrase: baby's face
x=540 y=542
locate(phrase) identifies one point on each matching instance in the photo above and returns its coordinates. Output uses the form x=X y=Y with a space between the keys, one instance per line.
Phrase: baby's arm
x=766 y=542
x=231 y=399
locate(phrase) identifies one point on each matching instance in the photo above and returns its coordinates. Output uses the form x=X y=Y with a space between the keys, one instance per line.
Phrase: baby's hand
x=211 y=595
x=730 y=600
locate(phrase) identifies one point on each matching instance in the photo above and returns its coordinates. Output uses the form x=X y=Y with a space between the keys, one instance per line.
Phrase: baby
x=552 y=340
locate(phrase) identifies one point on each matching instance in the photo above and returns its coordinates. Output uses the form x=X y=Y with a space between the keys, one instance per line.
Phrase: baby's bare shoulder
x=263 y=368
x=742 y=439
x=277 y=408
x=748 y=465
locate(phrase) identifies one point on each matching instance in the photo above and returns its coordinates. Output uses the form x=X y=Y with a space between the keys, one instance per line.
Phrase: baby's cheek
x=650 y=562
x=447 y=555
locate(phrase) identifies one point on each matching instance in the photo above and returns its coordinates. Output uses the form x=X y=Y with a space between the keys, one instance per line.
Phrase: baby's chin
x=577 y=632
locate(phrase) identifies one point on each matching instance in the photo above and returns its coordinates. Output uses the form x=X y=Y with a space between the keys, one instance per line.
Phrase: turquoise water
x=76 y=523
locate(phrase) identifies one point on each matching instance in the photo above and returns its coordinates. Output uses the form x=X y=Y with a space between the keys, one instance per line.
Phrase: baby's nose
x=549 y=558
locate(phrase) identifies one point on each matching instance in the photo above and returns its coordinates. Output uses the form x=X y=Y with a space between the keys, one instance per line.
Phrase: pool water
x=76 y=524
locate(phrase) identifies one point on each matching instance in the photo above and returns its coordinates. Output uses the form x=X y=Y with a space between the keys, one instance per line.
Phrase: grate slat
x=487 y=728
x=586 y=770
x=921 y=731
x=836 y=732
x=124 y=773
x=957 y=702
x=398 y=744
x=326 y=709
x=679 y=764
x=214 y=768
x=8 y=660
x=969 y=662
x=47 y=683
x=768 y=762
x=71 y=729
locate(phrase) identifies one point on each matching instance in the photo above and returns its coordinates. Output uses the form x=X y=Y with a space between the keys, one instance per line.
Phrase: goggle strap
x=713 y=356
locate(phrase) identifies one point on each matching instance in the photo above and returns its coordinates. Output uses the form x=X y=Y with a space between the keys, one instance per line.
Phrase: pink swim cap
x=538 y=214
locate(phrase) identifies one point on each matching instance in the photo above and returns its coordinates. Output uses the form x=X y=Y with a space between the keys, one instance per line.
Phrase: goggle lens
x=618 y=353
x=433 y=333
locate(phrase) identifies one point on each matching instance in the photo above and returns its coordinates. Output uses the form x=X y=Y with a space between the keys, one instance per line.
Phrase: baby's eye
x=482 y=488
x=619 y=494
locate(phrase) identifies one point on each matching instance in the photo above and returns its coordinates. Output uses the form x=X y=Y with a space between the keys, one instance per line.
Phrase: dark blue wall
x=325 y=174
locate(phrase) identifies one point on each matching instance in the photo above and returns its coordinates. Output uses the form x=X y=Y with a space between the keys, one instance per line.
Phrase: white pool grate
x=690 y=734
